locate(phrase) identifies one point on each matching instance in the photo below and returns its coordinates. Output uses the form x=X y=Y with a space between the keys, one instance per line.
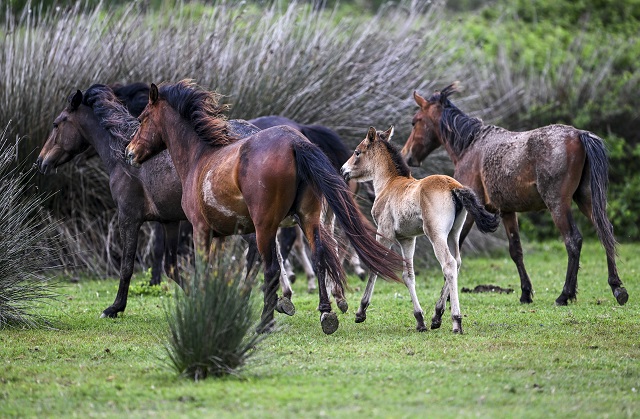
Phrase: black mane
x=201 y=108
x=401 y=165
x=112 y=115
x=458 y=129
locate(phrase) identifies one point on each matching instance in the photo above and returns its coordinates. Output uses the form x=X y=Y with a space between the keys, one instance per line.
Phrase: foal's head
x=373 y=154
x=426 y=122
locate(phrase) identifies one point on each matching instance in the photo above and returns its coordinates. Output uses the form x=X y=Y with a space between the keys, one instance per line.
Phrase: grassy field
x=513 y=360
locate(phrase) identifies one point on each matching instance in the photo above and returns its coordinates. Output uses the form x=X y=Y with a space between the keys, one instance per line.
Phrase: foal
x=405 y=208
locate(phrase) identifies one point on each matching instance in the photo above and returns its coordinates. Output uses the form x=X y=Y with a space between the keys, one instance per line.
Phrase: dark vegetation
x=522 y=64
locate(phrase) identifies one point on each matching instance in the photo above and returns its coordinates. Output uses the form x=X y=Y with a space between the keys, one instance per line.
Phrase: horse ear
x=153 y=93
x=76 y=100
x=422 y=102
x=388 y=134
x=371 y=134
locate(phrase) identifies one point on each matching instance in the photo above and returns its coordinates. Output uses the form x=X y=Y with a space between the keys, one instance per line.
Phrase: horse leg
x=361 y=314
x=129 y=236
x=583 y=199
x=172 y=237
x=510 y=222
x=408 y=247
x=563 y=219
x=284 y=304
x=303 y=258
x=450 y=270
x=158 y=253
x=268 y=250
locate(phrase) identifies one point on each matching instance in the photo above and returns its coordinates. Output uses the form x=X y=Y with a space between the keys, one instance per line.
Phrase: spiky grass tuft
x=212 y=323
x=27 y=242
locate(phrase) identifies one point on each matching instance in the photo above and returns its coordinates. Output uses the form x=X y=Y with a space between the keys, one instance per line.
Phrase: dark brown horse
x=97 y=119
x=513 y=172
x=255 y=184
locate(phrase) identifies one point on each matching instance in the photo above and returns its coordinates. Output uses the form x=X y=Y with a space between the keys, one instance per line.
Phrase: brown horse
x=406 y=208
x=513 y=172
x=255 y=184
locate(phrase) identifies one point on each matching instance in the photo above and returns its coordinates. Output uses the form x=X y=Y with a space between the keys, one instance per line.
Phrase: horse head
x=66 y=139
x=425 y=136
x=147 y=141
x=365 y=159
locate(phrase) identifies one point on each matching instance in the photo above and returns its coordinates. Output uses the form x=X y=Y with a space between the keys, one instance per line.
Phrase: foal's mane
x=458 y=129
x=112 y=115
x=201 y=108
x=401 y=165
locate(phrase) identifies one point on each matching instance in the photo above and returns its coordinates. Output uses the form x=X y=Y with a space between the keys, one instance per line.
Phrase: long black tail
x=599 y=171
x=329 y=142
x=486 y=221
x=315 y=169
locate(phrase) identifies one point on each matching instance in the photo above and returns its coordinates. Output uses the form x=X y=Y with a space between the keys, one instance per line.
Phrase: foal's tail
x=486 y=221
x=314 y=169
x=599 y=171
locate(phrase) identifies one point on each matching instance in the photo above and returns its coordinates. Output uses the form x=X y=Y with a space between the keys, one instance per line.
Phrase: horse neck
x=385 y=171
x=183 y=144
x=100 y=139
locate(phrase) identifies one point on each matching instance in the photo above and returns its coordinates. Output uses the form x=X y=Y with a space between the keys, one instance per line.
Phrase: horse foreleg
x=158 y=253
x=129 y=237
x=510 y=221
x=361 y=314
x=303 y=258
x=270 y=286
x=172 y=237
x=408 y=247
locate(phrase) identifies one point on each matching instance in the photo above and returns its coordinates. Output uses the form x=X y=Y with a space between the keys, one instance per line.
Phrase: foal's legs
x=510 y=222
x=172 y=237
x=284 y=304
x=450 y=270
x=408 y=247
x=361 y=314
x=301 y=255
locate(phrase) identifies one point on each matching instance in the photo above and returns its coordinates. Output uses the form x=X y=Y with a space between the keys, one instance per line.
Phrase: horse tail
x=486 y=221
x=314 y=169
x=329 y=142
x=599 y=171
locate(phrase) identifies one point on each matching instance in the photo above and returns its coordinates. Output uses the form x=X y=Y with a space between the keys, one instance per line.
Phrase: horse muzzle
x=346 y=174
x=130 y=157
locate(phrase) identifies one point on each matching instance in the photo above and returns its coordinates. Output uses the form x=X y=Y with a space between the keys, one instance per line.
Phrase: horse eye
x=357 y=153
x=55 y=125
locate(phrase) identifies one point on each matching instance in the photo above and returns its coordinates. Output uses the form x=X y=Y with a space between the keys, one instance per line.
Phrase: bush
x=27 y=243
x=212 y=324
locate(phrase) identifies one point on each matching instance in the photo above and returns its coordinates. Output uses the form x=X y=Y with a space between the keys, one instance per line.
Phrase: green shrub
x=27 y=244
x=212 y=324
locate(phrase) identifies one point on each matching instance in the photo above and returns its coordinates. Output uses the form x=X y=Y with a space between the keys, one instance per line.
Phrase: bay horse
x=255 y=184
x=545 y=168
x=405 y=208
x=98 y=119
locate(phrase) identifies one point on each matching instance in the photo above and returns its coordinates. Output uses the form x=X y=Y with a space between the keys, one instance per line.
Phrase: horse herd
x=172 y=155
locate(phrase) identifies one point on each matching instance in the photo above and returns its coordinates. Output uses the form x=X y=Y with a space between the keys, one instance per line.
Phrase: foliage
x=27 y=244
x=514 y=360
x=212 y=323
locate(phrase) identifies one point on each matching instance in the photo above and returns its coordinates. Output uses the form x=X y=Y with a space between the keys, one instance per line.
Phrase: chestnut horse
x=512 y=172
x=97 y=119
x=406 y=208
x=255 y=184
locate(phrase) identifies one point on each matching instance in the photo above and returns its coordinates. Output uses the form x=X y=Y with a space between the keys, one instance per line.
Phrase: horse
x=98 y=119
x=332 y=145
x=255 y=184
x=545 y=168
x=405 y=208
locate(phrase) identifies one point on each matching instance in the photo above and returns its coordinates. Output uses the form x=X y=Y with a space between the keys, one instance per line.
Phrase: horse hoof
x=526 y=299
x=292 y=278
x=285 y=306
x=342 y=305
x=267 y=327
x=109 y=314
x=435 y=324
x=621 y=295
x=561 y=301
x=362 y=276
x=457 y=331
x=329 y=322
x=311 y=290
x=421 y=328
x=360 y=318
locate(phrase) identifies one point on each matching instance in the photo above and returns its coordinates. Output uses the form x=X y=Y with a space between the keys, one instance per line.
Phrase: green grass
x=513 y=360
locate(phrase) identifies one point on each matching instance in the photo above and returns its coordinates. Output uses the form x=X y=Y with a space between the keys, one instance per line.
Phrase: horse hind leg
x=583 y=200
x=408 y=247
x=172 y=238
x=159 y=248
x=284 y=304
x=510 y=222
x=361 y=314
x=450 y=270
x=563 y=219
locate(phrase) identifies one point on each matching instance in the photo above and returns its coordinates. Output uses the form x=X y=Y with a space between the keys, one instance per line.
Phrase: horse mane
x=401 y=165
x=458 y=129
x=112 y=115
x=201 y=108
x=134 y=96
